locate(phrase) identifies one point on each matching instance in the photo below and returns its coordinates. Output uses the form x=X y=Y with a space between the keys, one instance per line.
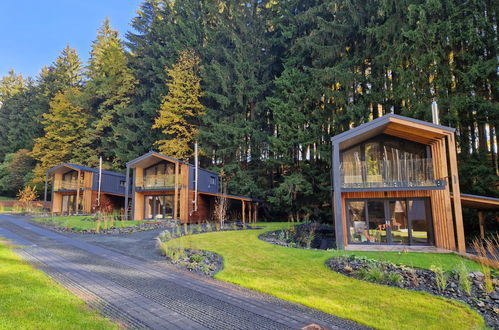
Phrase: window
x=161 y=175
x=212 y=180
x=122 y=183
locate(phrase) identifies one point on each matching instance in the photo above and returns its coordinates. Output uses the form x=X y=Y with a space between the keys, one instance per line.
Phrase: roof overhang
x=394 y=125
x=480 y=202
x=150 y=159
x=241 y=198
x=62 y=169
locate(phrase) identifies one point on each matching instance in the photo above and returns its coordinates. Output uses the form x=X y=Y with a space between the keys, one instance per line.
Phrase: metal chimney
x=434 y=113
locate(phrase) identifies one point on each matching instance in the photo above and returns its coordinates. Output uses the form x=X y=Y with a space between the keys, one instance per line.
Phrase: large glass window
x=161 y=175
x=386 y=161
x=70 y=180
x=158 y=207
x=390 y=221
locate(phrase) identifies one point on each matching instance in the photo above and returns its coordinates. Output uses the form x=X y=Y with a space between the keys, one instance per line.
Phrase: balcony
x=399 y=173
x=67 y=186
x=157 y=183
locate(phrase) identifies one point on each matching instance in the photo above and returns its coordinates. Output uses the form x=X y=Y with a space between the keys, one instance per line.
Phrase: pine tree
x=181 y=108
x=107 y=95
x=64 y=127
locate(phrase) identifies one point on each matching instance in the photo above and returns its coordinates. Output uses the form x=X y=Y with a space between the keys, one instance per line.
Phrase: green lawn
x=5 y=198
x=79 y=223
x=300 y=275
x=31 y=300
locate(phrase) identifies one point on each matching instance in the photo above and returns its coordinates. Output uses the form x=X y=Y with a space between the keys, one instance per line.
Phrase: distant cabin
x=163 y=187
x=75 y=189
x=395 y=182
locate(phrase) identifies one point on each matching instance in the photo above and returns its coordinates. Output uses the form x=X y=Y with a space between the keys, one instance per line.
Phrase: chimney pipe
x=434 y=113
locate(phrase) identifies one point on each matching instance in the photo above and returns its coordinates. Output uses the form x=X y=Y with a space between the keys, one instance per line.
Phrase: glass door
x=420 y=220
x=399 y=222
x=379 y=229
x=158 y=207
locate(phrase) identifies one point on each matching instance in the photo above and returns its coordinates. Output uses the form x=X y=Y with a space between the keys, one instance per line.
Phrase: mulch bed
x=487 y=304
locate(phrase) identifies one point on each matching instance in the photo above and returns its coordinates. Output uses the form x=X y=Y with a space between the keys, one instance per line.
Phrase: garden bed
x=458 y=284
x=307 y=236
x=90 y=225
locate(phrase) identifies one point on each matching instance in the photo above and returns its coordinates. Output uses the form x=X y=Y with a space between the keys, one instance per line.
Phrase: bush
x=197 y=229
x=197 y=258
x=208 y=226
x=178 y=232
x=186 y=229
x=165 y=236
x=394 y=278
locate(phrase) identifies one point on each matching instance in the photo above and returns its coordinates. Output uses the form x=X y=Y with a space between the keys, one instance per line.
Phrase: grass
x=79 y=223
x=6 y=198
x=31 y=300
x=300 y=276
x=6 y=209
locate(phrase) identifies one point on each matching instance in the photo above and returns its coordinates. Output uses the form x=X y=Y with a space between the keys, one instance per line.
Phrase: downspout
x=196 y=175
x=100 y=181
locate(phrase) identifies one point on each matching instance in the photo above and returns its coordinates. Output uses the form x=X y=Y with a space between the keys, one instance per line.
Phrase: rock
x=480 y=303
x=494 y=295
x=453 y=285
x=478 y=275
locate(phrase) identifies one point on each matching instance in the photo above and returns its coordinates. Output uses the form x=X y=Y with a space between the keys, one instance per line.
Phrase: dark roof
x=77 y=167
x=381 y=121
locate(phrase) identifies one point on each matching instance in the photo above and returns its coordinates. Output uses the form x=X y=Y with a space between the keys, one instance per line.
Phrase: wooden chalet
x=81 y=189
x=164 y=187
x=392 y=180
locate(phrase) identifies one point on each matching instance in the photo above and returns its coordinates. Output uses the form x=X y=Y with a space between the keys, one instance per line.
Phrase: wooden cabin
x=75 y=189
x=392 y=180
x=166 y=188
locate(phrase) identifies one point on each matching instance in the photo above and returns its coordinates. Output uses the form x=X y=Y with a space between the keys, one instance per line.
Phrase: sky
x=34 y=32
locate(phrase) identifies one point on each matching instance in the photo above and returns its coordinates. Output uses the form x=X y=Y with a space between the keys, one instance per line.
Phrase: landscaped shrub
x=186 y=229
x=463 y=276
x=394 y=278
x=197 y=258
x=178 y=232
x=165 y=236
x=217 y=226
x=309 y=237
x=440 y=277
x=197 y=229
x=208 y=226
x=233 y=226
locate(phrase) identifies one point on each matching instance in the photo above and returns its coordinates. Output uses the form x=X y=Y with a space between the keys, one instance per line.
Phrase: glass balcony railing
x=399 y=173
x=64 y=185
x=157 y=182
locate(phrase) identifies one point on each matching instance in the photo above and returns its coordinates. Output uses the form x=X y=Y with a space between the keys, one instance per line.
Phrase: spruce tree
x=64 y=127
x=107 y=95
x=179 y=115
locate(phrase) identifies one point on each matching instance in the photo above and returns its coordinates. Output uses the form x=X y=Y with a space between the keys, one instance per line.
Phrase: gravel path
x=122 y=276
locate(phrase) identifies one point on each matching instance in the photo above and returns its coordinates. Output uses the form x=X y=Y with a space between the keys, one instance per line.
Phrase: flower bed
x=307 y=236
x=474 y=288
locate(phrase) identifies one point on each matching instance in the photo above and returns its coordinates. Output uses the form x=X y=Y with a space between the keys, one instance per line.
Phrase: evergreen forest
x=262 y=85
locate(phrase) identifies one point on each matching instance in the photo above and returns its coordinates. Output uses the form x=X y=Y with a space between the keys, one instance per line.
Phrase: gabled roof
x=151 y=158
x=395 y=125
x=66 y=167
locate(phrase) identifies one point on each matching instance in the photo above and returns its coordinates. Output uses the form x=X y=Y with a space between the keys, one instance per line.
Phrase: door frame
x=386 y=200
